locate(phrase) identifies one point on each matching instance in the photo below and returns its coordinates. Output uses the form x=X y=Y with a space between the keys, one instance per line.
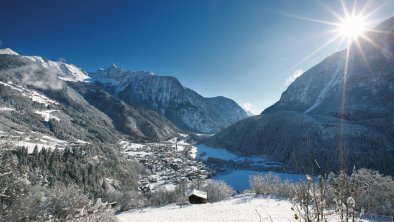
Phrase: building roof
x=198 y=193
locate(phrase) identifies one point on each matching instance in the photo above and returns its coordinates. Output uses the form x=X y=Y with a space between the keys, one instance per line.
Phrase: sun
x=352 y=27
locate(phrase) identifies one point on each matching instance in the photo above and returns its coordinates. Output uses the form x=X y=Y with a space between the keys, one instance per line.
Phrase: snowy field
x=240 y=208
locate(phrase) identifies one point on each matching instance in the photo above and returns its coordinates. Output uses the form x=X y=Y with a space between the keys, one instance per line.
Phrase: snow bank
x=46 y=114
x=4 y=109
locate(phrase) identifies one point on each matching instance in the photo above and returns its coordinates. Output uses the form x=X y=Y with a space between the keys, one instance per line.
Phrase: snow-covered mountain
x=53 y=98
x=165 y=95
x=327 y=113
x=139 y=104
x=7 y=51
x=64 y=71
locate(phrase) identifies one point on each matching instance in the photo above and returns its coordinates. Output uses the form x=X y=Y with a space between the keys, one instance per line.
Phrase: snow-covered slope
x=245 y=207
x=66 y=72
x=239 y=208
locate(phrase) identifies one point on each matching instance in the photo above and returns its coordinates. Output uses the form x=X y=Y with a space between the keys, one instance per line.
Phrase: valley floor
x=239 y=208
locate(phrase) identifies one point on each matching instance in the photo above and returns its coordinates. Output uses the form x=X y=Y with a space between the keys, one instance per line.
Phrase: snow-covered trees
x=270 y=185
x=368 y=189
x=59 y=203
x=13 y=182
x=310 y=199
x=218 y=190
x=363 y=191
x=54 y=184
x=23 y=199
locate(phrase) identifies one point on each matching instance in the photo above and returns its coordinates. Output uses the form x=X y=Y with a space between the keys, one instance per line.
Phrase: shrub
x=362 y=191
x=375 y=192
x=132 y=200
x=270 y=184
x=60 y=203
x=218 y=190
x=161 y=196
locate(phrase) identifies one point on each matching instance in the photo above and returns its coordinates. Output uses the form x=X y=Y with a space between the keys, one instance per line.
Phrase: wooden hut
x=197 y=196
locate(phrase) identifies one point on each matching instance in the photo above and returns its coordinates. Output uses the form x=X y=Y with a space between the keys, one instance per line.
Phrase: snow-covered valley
x=168 y=162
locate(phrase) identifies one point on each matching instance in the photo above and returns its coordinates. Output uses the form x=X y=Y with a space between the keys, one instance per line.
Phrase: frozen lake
x=239 y=179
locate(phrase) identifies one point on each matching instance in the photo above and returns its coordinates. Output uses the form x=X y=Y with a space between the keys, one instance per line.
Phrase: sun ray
x=308 y=19
x=365 y=37
x=354 y=8
x=370 y=13
x=313 y=53
x=376 y=31
x=351 y=25
x=334 y=13
x=321 y=47
x=344 y=8
x=340 y=43
x=341 y=141
x=360 y=49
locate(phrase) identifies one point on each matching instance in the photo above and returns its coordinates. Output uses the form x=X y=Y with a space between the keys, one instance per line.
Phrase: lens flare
x=352 y=27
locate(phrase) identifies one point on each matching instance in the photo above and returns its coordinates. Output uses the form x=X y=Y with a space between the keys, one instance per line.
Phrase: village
x=166 y=163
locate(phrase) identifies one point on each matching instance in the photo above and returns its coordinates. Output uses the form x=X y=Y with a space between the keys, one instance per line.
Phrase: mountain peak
x=113 y=68
x=7 y=51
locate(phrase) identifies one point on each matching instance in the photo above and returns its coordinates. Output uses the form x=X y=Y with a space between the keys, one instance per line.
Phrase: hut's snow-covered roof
x=198 y=193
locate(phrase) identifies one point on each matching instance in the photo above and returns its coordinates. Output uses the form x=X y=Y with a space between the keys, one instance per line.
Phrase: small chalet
x=197 y=196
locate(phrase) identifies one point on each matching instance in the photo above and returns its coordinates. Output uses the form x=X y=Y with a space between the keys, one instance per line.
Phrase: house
x=197 y=196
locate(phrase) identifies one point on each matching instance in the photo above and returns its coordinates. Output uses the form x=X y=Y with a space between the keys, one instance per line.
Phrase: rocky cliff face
x=331 y=109
x=165 y=95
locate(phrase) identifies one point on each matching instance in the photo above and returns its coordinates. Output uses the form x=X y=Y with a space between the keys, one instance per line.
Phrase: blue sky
x=245 y=50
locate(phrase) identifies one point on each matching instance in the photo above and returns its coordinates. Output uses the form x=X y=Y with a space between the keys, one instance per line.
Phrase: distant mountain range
x=165 y=95
x=59 y=104
x=328 y=117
